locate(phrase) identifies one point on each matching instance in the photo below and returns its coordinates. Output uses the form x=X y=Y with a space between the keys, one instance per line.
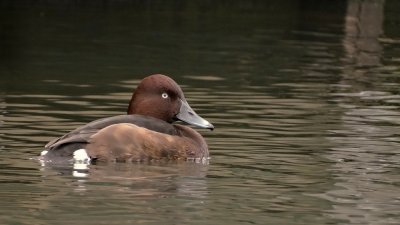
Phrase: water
x=304 y=98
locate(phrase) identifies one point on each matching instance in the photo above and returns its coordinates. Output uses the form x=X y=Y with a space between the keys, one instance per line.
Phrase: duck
x=147 y=132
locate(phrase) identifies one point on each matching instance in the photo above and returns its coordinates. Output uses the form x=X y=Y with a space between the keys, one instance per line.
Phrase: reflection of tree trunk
x=2 y=112
x=361 y=142
x=362 y=29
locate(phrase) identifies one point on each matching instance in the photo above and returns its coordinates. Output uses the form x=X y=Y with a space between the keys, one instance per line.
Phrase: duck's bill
x=188 y=115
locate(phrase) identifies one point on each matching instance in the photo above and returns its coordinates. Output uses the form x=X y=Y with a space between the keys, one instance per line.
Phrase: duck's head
x=161 y=97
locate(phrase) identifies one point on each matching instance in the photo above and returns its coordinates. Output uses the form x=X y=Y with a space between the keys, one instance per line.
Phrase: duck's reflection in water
x=140 y=179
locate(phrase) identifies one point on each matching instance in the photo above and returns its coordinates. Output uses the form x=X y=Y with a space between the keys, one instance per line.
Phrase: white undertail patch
x=81 y=156
x=44 y=152
x=81 y=163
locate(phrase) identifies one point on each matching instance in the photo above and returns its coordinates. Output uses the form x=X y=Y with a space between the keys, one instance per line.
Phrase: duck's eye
x=164 y=95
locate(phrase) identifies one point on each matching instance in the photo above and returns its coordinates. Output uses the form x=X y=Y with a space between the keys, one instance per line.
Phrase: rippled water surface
x=304 y=97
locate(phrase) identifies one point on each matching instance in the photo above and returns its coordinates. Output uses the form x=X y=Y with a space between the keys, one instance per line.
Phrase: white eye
x=164 y=95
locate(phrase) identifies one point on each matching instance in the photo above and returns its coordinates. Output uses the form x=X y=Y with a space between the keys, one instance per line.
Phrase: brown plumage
x=146 y=133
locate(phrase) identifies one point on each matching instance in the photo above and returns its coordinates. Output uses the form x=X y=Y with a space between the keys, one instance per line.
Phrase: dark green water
x=304 y=96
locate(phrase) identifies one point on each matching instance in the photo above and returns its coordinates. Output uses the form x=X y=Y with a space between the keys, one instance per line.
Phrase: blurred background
x=304 y=95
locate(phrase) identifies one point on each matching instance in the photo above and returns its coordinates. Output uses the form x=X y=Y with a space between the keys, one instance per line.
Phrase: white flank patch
x=81 y=155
